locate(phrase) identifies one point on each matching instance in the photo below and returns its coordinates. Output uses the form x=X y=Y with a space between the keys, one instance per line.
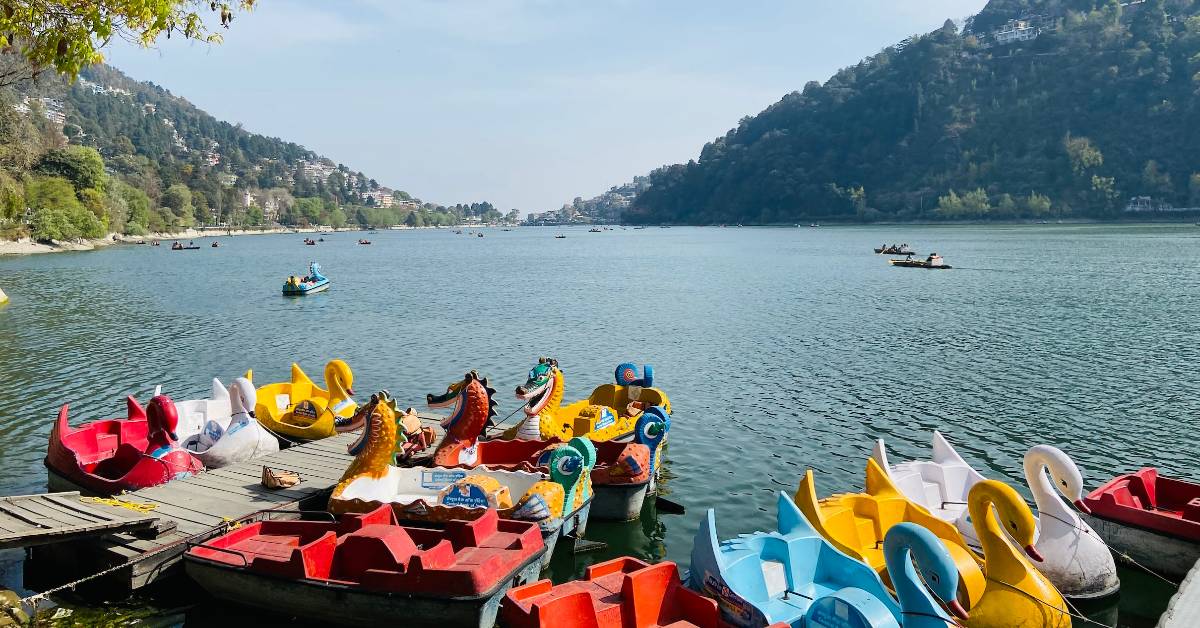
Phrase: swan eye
x=1064 y=483
x=1013 y=524
x=933 y=577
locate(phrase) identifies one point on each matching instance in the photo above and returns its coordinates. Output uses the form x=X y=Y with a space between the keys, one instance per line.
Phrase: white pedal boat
x=221 y=431
x=1076 y=560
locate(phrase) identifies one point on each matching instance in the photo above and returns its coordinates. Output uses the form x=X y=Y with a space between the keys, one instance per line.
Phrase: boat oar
x=668 y=507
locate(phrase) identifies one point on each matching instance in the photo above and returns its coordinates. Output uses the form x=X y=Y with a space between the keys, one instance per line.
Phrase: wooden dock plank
x=57 y=517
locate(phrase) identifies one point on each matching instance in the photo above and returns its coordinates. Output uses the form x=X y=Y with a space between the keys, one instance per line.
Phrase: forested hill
x=1098 y=104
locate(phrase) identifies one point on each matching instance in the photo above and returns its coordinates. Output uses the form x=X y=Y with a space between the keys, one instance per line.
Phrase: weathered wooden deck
x=199 y=507
x=29 y=520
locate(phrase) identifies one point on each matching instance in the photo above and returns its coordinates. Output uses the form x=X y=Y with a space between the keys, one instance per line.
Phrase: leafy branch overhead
x=67 y=36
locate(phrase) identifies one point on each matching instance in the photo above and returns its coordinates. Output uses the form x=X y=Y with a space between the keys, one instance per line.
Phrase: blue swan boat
x=795 y=576
x=309 y=284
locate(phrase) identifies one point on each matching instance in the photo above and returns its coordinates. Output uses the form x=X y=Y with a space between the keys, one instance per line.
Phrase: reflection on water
x=782 y=349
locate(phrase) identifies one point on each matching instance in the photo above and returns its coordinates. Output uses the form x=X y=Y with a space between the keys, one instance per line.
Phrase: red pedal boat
x=367 y=569
x=620 y=593
x=114 y=455
x=1153 y=519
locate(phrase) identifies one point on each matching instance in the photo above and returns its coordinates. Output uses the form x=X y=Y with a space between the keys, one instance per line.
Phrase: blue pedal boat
x=310 y=284
x=795 y=576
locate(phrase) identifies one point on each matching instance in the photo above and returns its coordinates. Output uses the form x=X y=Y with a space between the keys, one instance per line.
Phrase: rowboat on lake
x=933 y=262
x=1151 y=519
x=368 y=569
x=894 y=250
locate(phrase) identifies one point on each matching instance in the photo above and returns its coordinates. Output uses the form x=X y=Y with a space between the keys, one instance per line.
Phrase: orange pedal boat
x=620 y=593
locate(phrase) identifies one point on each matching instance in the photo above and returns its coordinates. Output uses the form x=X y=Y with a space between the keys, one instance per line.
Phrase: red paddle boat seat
x=1149 y=501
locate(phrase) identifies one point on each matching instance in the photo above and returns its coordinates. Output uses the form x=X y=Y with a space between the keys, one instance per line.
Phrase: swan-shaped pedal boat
x=110 y=456
x=857 y=524
x=311 y=283
x=558 y=501
x=622 y=473
x=1076 y=559
x=794 y=575
x=300 y=410
x=222 y=430
x=1017 y=594
x=609 y=413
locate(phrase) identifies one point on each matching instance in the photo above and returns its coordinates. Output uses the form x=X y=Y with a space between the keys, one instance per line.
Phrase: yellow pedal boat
x=610 y=413
x=856 y=523
x=1017 y=594
x=300 y=410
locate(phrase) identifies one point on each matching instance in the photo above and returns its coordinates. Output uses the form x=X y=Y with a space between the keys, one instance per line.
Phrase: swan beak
x=1082 y=507
x=956 y=607
x=350 y=391
x=1033 y=553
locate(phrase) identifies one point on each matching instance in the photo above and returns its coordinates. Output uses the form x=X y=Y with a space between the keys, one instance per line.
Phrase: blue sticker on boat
x=440 y=479
x=606 y=419
x=466 y=496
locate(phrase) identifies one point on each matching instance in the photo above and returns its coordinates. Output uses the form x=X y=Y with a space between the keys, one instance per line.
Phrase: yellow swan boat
x=611 y=412
x=856 y=523
x=1017 y=594
x=299 y=409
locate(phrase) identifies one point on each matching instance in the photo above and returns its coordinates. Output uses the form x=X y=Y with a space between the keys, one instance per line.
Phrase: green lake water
x=781 y=349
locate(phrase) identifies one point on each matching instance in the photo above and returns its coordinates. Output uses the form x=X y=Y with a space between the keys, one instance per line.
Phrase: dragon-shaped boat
x=369 y=570
x=611 y=412
x=622 y=473
x=557 y=501
x=302 y=411
x=114 y=455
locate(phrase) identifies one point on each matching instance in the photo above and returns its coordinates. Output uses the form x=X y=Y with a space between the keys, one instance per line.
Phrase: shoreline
x=26 y=246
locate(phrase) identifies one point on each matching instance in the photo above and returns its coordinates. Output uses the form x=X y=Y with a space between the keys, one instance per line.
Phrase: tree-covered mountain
x=139 y=158
x=1040 y=107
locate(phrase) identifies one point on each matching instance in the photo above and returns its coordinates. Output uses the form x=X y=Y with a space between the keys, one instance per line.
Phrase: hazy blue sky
x=525 y=103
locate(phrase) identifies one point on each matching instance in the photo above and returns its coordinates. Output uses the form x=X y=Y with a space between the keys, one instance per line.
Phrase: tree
x=57 y=213
x=1082 y=154
x=81 y=165
x=178 y=199
x=68 y=36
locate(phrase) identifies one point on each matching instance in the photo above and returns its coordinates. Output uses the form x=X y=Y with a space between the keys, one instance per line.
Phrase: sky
x=523 y=103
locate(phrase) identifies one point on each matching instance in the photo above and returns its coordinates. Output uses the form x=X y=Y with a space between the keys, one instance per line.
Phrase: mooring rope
x=1115 y=551
x=139 y=507
x=1075 y=615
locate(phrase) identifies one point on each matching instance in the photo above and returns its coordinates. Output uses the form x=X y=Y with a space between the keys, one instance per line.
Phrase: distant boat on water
x=312 y=283
x=593 y=230
x=560 y=236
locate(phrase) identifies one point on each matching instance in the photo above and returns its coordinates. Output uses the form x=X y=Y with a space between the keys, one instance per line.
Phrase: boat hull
x=344 y=605
x=1166 y=555
x=618 y=502
x=299 y=292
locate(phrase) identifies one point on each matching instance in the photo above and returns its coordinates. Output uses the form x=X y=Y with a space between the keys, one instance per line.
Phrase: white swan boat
x=1076 y=560
x=222 y=430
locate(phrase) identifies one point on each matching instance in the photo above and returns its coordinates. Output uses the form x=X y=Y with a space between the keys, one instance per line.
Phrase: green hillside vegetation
x=1102 y=106
x=139 y=159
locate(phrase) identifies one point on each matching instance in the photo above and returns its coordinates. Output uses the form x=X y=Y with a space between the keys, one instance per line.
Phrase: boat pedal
x=582 y=545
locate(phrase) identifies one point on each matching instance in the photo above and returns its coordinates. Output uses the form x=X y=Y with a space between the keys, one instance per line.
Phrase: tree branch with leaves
x=67 y=35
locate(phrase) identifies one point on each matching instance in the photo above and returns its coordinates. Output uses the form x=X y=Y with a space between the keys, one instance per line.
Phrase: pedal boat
x=1075 y=557
x=857 y=524
x=1152 y=519
x=620 y=593
x=611 y=412
x=299 y=410
x=622 y=473
x=222 y=430
x=368 y=569
x=795 y=576
x=558 y=501
x=311 y=283
x=110 y=456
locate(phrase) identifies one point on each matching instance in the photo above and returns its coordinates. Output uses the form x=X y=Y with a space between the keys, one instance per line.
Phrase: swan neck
x=998 y=552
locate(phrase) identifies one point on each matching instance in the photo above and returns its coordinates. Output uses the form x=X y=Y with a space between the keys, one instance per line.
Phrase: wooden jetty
x=159 y=522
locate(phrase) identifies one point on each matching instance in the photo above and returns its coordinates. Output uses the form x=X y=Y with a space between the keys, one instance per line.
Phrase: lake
x=781 y=349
